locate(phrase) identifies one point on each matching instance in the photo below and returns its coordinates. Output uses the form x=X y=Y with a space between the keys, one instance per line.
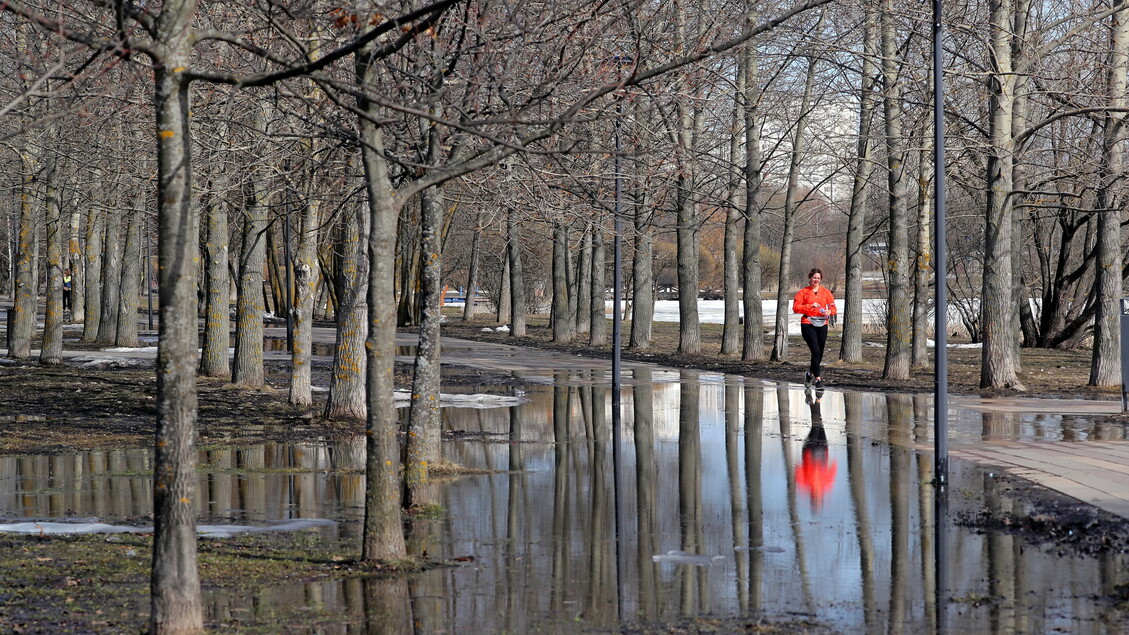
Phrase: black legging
x=816 y=337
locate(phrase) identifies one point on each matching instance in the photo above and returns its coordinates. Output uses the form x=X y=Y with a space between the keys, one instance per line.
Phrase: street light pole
x=941 y=308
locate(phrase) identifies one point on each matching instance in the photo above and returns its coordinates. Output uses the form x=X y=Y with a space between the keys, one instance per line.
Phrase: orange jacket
x=808 y=303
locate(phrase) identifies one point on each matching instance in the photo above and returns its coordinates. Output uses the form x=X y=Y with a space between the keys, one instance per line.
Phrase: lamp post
x=941 y=372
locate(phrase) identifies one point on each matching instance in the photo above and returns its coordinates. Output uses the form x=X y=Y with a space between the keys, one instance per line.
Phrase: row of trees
x=346 y=149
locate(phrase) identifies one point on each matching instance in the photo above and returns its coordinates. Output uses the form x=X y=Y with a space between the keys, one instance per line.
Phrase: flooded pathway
x=728 y=498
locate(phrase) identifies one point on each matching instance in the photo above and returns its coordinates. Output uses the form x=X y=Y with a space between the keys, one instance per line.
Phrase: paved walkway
x=1094 y=472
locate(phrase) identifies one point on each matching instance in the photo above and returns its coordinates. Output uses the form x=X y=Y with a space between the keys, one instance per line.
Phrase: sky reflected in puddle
x=726 y=499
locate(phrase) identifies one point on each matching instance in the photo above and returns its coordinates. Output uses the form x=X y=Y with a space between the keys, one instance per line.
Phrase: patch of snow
x=681 y=557
x=206 y=531
x=479 y=401
x=488 y=329
x=505 y=328
x=132 y=349
x=318 y=389
x=114 y=362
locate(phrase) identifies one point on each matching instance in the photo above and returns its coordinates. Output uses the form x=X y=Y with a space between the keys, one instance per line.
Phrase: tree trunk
x=505 y=309
x=176 y=603
x=597 y=306
x=74 y=263
x=423 y=439
x=247 y=365
x=851 y=347
x=111 y=278
x=217 y=288
x=686 y=234
x=92 y=276
x=921 y=295
x=305 y=287
x=584 y=283
x=642 y=279
x=383 y=538
x=1105 y=367
x=26 y=303
x=564 y=326
x=752 y=344
x=472 y=271
x=899 y=328
x=129 y=296
x=1000 y=352
x=346 y=383
x=784 y=283
x=51 y=352
x=731 y=328
x=518 y=308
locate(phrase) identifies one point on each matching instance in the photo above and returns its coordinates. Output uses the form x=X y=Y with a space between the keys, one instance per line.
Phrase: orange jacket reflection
x=816 y=472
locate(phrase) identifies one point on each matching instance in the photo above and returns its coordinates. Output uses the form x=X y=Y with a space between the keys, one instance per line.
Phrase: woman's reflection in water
x=816 y=472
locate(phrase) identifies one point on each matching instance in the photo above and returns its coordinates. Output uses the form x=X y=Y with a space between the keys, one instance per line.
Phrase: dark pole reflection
x=646 y=480
x=941 y=559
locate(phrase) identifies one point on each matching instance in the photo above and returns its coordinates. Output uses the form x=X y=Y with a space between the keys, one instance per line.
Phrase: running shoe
x=807 y=379
x=819 y=384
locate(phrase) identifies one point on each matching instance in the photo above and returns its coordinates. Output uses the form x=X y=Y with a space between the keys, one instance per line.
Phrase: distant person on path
x=67 y=283
x=816 y=305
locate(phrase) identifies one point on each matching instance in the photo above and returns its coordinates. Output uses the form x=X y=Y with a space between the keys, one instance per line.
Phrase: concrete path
x=1094 y=472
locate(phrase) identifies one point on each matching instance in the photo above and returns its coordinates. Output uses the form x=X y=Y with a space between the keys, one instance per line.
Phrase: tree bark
x=472 y=271
x=999 y=359
x=247 y=365
x=51 y=352
x=92 y=276
x=1105 y=367
x=129 y=295
x=518 y=308
x=752 y=344
x=584 y=283
x=899 y=328
x=686 y=234
x=597 y=306
x=642 y=278
x=731 y=328
x=851 y=348
x=784 y=284
x=176 y=603
x=383 y=537
x=346 y=384
x=305 y=287
x=22 y=329
x=564 y=326
x=111 y=278
x=217 y=287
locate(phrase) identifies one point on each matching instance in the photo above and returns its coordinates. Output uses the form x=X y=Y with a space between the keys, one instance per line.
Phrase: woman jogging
x=816 y=305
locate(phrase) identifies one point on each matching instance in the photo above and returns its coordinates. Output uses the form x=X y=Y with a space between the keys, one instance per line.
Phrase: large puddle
x=725 y=498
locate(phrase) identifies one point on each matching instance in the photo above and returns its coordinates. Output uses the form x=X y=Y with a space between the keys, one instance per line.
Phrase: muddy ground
x=49 y=410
